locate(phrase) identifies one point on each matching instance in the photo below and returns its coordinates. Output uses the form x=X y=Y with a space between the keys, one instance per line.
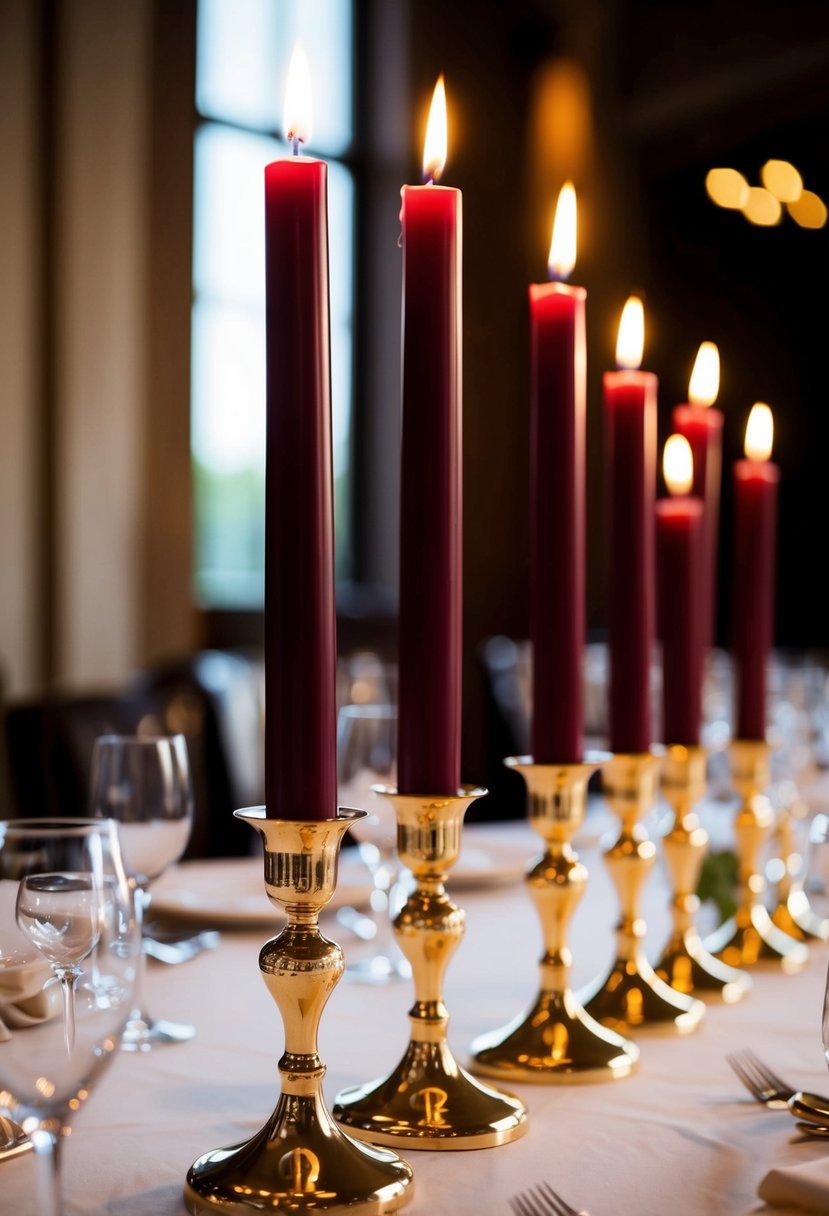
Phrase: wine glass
x=144 y=783
x=70 y=949
x=366 y=751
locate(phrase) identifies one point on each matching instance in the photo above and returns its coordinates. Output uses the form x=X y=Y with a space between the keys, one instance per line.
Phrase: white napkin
x=803 y=1186
x=24 y=1001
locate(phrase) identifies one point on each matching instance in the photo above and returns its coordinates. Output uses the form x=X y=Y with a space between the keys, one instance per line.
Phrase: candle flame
x=562 y=257
x=630 y=343
x=297 y=113
x=434 y=147
x=705 y=378
x=759 y=432
x=678 y=465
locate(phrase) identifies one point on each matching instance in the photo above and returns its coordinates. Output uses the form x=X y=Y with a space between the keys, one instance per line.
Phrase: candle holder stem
x=300 y=1161
x=750 y=937
x=685 y=963
x=632 y=997
x=428 y=1101
x=793 y=912
x=555 y=1040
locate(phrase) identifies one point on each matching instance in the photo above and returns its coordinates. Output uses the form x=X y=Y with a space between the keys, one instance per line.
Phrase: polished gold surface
x=685 y=964
x=749 y=937
x=300 y=1161
x=428 y=1101
x=632 y=998
x=555 y=1040
x=793 y=912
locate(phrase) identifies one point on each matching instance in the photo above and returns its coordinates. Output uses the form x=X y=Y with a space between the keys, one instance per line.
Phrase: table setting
x=540 y=1016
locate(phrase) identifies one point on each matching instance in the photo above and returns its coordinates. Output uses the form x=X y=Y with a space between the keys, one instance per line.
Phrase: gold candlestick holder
x=428 y=1101
x=300 y=1161
x=793 y=912
x=685 y=963
x=632 y=997
x=555 y=1040
x=750 y=937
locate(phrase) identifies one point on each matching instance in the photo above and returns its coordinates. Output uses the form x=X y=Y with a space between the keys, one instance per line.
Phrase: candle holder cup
x=300 y=1161
x=555 y=1040
x=428 y=1101
x=632 y=997
x=750 y=937
x=685 y=963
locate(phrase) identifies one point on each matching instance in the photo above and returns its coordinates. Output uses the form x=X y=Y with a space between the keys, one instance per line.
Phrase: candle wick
x=295 y=142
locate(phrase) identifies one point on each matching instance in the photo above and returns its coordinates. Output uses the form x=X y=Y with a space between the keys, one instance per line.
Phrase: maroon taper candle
x=300 y=621
x=557 y=454
x=680 y=624
x=756 y=481
x=431 y=553
x=630 y=434
x=702 y=425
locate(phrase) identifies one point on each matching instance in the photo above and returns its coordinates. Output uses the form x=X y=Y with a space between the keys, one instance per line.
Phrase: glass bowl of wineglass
x=70 y=950
x=366 y=756
x=144 y=783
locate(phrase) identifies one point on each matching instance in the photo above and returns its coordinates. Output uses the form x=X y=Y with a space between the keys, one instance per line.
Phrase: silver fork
x=542 y=1200
x=764 y=1085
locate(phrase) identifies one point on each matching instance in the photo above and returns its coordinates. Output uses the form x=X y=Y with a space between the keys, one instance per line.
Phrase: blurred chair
x=216 y=699
x=211 y=698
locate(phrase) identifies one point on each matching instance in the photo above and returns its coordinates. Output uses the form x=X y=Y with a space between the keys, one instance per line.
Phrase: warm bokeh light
x=630 y=343
x=705 y=378
x=298 y=110
x=809 y=211
x=678 y=465
x=759 y=432
x=434 y=147
x=727 y=188
x=762 y=208
x=782 y=180
x=562 y=257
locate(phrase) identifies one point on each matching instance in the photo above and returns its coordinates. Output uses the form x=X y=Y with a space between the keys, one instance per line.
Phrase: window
x=242 y=54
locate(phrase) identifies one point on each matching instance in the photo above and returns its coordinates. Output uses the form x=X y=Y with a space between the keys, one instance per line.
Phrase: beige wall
x=102 y=233
x=19 y=386
x=116 y=598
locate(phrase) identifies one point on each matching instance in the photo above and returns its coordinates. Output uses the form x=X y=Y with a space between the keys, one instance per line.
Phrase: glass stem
x=47 y=1158
x=68 y=977
x=141 y=900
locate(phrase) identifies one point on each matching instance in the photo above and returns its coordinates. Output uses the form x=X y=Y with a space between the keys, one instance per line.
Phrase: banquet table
x=679 y=1136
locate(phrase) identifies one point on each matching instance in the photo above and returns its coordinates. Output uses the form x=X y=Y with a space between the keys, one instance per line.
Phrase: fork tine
x=736 y=1064
x=559 y=1206
x=765 y=1084
x=766 y=1073
x=519 y=1205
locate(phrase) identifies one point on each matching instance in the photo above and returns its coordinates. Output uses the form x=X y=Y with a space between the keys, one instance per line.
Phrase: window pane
x=242 y=61
x=242 y=64
x=228 y=439
x=229 y=228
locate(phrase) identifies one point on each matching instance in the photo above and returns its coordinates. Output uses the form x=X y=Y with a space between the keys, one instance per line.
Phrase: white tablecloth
x=680 y=1136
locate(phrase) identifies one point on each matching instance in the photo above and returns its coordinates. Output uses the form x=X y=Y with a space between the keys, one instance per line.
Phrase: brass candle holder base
x=794 y=913
x=685 y=964
x=632 y=997
x=750 y=937
x=555 y=1040
x=300 y=1161
x=429 y=1101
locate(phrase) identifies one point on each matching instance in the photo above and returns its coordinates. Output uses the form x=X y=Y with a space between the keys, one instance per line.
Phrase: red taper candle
x=630 y=433
x=756 y=482
x=431 y=553
x=300 y=621
x=702 y=425
x=680 y=626
x=557 y=447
